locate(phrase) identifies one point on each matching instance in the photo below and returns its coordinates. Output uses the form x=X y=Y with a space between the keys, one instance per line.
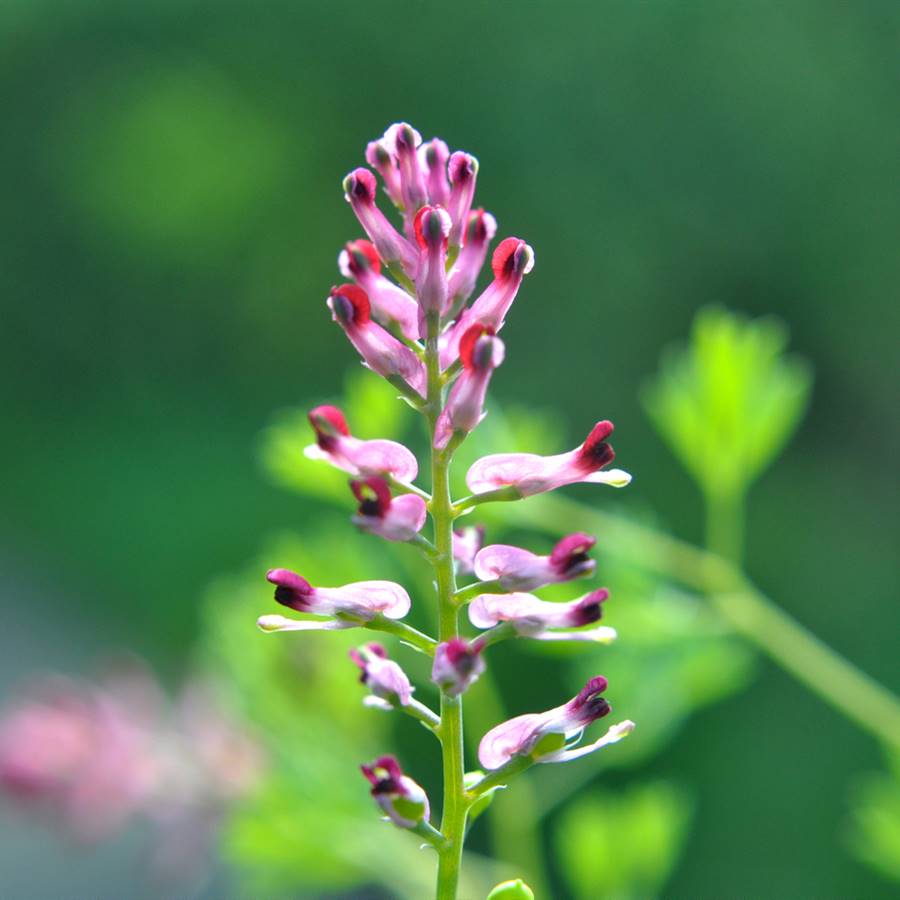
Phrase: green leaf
x=728 y=402
x=511 y=890
x=622 y=845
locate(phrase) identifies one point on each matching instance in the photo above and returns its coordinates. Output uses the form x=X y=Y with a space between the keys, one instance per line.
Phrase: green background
x=171 y=216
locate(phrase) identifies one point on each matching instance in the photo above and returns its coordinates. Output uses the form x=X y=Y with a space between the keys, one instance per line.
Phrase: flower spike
x=381 y=351
x=540 y=619
x=463 y=171
x=545 y=736
x=519 y=570
x=457 y=664
x=359 y=191
x=481 y=351
x=336 y=445
x=393 y=518
x=403 y=801
x=347 y=606
x=529 y=473
x=387 y=682
x=391 y=306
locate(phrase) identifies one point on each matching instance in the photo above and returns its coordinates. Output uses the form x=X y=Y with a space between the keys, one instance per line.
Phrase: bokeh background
x=171 y=217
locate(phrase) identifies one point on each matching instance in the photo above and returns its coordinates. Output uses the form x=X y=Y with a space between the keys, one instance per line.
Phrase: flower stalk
x=441 y=356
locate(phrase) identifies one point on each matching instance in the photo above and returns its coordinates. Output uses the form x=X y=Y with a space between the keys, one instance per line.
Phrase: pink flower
x=512 y=261
x=538 y=619
x=546 y=737
x=391 y=306
x=519 y=570
x=382 y=352
x=432 y=225
x=380 y=159
x=530 y=474
x=393 y=518
x=347 y=606
x=403 y=801
x=479 y=233
x=402 y=141
x=466 y=544
x=359 y=191
x=433 y=158
x=336 y=445
x=463 y=171
x=457 y=664
x=481 y=352
x=384 y=678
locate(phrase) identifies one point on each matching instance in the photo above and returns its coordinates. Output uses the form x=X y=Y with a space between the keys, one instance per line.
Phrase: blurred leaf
x=875 y=834
x=728 y=402
x=622 y=845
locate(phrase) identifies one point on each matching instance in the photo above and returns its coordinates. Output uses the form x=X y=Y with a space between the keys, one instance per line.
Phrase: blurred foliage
x=875 y=833
x=622 y=845
x=728 y=402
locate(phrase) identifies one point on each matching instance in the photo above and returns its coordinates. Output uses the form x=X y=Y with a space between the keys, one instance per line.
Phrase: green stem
x=725 y=526
x=746 y=609
x=455 y=805
x=403 y=631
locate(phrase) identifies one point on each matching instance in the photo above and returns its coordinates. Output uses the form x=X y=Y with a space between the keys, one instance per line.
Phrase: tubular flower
x=466 y=544
x=359 y=191
x=512 y=261
x=519 y=570
x=387 y=682
x=481 y=352
x=393 y=518
x=380 y=159
x=463 y=171
x=404 y=802
x=381 y=351
x=433 y=158
x=528 y=473
x=457 y=664
x=432 y=225
x=346 y=607
x=539 y=619
x=403 y=141
x=336 y=445
x=546 y=737
x=390 y=305
x=479 y=233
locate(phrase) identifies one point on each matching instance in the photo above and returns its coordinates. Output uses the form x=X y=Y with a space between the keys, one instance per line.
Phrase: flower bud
x=463 y=171
x=404 y=802
x=393 y=518
x=457 y=665
x=385 y=679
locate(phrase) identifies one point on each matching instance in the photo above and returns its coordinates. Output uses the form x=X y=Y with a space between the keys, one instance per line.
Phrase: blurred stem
x=746 y=609
x=455 y=805
x=725 y=526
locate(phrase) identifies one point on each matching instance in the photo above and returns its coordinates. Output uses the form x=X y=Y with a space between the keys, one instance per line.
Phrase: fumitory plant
x=405 y=309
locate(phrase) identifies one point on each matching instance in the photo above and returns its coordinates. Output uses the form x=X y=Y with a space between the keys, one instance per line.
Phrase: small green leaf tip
x=511 y=890
x=728 y=401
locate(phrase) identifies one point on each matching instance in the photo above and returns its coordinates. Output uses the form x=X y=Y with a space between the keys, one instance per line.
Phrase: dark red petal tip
x=373 y=495
x=468 y=343
x=511 y=259
x=350 y=304
x=360 y=185
x=328 y=422
x=462 y=167
x=596 y=685
x=362 y=256
x=595 y=453
x=571 y=547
